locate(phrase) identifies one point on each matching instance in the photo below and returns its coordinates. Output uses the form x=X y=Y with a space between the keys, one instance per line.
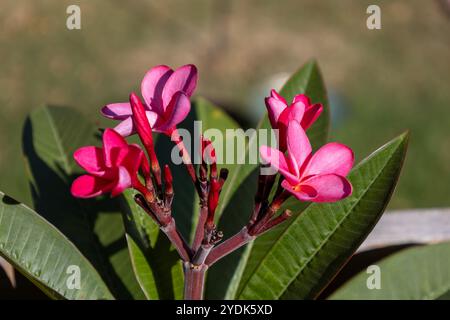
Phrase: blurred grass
x=392 y=79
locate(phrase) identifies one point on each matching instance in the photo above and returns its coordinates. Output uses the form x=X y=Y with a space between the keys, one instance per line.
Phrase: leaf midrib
x=26 y=273
x=58 y=141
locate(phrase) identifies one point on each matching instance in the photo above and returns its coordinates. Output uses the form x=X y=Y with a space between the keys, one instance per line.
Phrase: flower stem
x=194 y=281
x=235 y=242
x=177 y=240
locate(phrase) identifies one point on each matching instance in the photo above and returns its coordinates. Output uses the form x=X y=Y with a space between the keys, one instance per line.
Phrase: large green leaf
x=307 y=254
x=156 y=264
x=419 y=273
x=236 y=199
x=51 y=135
x=43 y=254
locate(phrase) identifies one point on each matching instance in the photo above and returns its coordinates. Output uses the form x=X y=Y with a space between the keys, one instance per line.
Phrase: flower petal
x=175 y=113
x=87 y=186
x=277 y=160
x=298 y=146
x=296 y=111
x=276 y=95
x=302 y=98
x=183 y=79
x=117 y=111
x=301 y=192
x=125 y=128
x=90 y=158
x=114 y=147
x=329 y=187
x=152 y=117
x=133 y=159
x=311 y=114
x=274 y=109
x=152 y=86
x=331 y=158
x=123 y=181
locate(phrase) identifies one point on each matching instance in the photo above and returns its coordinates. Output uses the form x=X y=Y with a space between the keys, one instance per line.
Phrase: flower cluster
x=308 y=176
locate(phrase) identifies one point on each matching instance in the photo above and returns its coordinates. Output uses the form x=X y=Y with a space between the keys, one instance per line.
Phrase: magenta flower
x=300 y=110
x=318 y=177
x=112 y=168
x=166 y=94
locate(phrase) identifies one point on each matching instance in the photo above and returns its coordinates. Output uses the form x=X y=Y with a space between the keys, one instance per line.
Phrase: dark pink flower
x=112 y=168
x=319 y=177
x=300 y=110
x=166 y=94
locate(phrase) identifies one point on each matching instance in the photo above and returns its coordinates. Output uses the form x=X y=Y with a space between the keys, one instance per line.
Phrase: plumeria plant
x=136 y=223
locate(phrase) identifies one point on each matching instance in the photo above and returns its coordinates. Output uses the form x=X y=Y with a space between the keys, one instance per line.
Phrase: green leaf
x=307 y=254
x=43 y=254
x=156 y=264
x=236 y=200
x=418 y=273
x=51 y=135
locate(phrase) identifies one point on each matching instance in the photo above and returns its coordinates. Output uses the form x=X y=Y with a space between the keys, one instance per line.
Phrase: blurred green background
x=381 y=82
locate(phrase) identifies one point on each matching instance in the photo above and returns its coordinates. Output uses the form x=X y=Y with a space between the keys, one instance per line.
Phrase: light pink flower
x=112 y=168
x=300 y=110
x=318 y=177
x=166 y=94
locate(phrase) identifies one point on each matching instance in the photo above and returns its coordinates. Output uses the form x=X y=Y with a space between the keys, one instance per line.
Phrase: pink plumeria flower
x=319 y=177
x=111 y=169
x=300 y=110
x=166 y=94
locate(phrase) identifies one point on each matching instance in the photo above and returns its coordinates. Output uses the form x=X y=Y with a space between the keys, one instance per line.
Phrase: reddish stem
x=235 y=242
x=177 y=240
x=176 y=138
x=194 y=281
x=200 y=229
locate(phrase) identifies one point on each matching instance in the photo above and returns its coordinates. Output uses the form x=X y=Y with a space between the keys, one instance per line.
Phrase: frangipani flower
x=166 y=94
x=112 y=168
x=300 y=110
x=318 y=177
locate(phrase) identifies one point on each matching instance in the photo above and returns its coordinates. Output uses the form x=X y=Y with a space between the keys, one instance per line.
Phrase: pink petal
x=298 y=145
x=274 y=109
x=296 y=112
x=276 y=95
x=125 y=128
x=301 y=192
x=90 y=158
x=152 y=86
x=333 y=158
x=133 y=159
x=87 y=186
x=183 y=79
x=329 y=187
x=311 y=114
x=114 y=147
x=123 y=181
x=302 y=98
x=117 y=111
x=152 y=117
x=277 y=160
x=176 y=112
